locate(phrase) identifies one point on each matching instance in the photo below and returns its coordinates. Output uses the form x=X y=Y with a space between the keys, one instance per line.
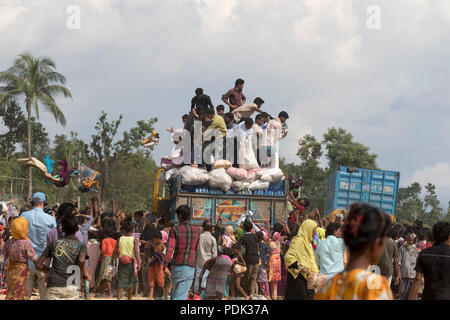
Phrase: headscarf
x=239 y=233
x=19 y=229
x=300 y=249
x=230 y=232
x=165 y=236
x=321 y=233
x=276 y=236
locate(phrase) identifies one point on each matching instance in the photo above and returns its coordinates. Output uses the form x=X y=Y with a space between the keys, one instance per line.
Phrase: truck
x=347 y=185
x=268 y=206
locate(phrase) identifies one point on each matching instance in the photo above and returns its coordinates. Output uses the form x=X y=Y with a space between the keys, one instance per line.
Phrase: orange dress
x=357 y=284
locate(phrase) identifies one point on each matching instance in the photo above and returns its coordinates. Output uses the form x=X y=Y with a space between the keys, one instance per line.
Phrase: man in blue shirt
x=39 y=224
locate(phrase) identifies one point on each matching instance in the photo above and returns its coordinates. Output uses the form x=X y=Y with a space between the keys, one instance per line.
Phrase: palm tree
x=36 y=80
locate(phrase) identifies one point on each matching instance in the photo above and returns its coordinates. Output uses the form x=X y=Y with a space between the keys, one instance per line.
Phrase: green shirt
x=217 y=124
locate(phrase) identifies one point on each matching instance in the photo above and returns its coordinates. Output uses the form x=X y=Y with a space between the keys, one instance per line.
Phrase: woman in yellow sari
x=300 y=262
x=19 y=250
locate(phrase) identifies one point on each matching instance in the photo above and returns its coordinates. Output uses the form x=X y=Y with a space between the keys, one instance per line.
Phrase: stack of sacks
x=219 y=179
x=194 y=176
x=226 y=177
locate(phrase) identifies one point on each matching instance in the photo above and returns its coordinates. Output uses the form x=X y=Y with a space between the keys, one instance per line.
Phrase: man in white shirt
x=274 y=133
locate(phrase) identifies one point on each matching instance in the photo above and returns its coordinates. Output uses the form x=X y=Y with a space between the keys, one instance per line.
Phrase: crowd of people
x=64 y=252
x=359 y=254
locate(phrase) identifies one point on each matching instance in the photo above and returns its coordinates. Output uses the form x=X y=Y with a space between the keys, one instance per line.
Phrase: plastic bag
x=259 y=185
x=249 y=156
x=238 y=186
x=247 y=215
x=89 y=177
x=222 y=164
x=237 y=173
x=219 y=179
x=193 y=176
x=171 y=174
x=272 y=175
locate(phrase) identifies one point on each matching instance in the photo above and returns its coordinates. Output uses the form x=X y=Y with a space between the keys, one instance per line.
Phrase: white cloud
x=439 y=175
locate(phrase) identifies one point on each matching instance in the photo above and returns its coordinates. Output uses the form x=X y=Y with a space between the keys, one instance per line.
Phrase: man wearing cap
x=39 y=224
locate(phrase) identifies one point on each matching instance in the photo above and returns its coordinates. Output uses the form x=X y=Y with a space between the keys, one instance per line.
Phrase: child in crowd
x=68 y=254
x=264 y=253
x=126 y=250
x=238 y=270
x=275 y=264
x=228 y=238
x=365 y=236
x=105 y=277
x=155 y=269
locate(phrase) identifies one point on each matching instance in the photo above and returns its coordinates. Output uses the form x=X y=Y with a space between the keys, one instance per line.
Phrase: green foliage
x=37 y=80
x=340 y=150
x=111 y=154
x=343 y=151
x=410 y=206
x=14 y=120
x=434 y=212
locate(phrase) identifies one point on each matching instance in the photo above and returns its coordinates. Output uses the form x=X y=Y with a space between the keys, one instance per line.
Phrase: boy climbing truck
x=264 y=206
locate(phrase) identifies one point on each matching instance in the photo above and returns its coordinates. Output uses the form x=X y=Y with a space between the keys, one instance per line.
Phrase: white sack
x=193 y=176
x=219 y=179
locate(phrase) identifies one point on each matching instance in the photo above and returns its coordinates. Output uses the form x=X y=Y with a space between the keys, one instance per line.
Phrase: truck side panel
x=374 y=187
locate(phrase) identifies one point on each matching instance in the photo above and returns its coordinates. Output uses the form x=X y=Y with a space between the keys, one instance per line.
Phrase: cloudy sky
x=316 y=59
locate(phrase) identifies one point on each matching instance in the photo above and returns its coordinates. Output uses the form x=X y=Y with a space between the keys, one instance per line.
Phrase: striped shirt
x=183 y=241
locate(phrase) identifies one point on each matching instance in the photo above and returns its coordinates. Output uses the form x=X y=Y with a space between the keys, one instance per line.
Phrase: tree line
x=127 y=171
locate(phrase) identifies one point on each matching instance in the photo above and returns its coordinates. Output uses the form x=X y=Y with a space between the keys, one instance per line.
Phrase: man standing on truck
x=201 y=100
x=275 y=131
x=234 y=97
x=183 y=242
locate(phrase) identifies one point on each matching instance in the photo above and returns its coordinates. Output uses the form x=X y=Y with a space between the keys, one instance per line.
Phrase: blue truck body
x=355 y=185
